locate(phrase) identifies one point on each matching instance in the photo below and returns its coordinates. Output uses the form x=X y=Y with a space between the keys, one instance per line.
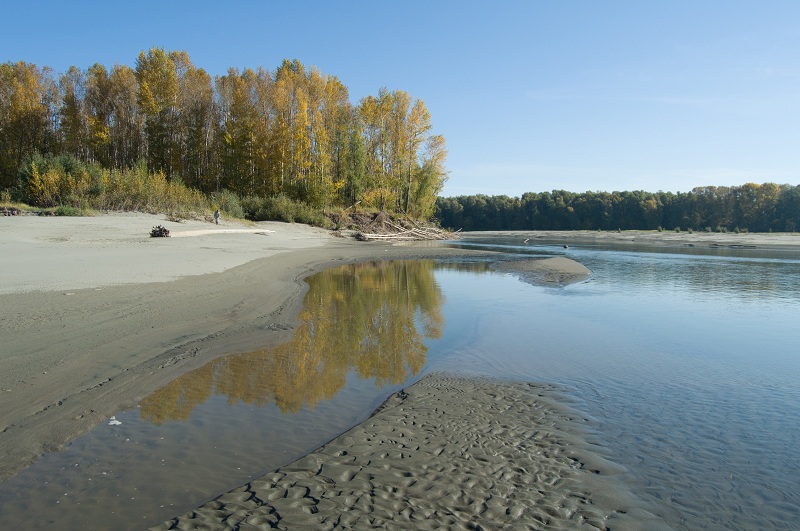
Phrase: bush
x=282 y=208
x=228 y=203
x=65 y=181
x=68 y=211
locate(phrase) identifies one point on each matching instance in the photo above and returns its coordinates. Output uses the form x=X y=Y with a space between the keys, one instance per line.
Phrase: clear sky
x=531 y=95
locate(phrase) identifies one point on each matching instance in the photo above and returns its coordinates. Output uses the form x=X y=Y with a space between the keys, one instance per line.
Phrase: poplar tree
x=28 y=100
x=72 y=115
x=292 y=131
x=99 y=109
x=157 y=98
x=126 y=124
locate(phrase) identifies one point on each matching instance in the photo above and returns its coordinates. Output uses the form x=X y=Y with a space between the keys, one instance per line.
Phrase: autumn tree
x=28 y=101
x=74 y=127
x=126 y=121
x=374 y=115
x=292 y=131
x=195 y=127
x=157 y=99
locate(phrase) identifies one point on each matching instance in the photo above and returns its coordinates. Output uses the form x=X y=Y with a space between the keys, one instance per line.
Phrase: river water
x=686 y=360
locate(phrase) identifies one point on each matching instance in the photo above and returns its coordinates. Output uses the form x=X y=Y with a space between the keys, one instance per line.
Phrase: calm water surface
x=686 y=361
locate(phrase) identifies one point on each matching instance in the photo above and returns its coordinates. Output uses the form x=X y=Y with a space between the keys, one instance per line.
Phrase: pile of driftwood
x=387 y=230
x=159 y=232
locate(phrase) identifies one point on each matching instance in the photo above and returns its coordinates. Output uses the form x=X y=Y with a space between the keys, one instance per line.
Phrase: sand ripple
x=449 y=452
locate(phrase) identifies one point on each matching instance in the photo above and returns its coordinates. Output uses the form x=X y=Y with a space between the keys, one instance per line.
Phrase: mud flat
x=447 y=453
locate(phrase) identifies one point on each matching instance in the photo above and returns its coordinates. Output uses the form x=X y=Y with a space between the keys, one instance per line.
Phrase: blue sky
x=530 y=95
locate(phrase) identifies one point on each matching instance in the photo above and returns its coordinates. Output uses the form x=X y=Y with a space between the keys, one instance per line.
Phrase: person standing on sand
x=216 y=216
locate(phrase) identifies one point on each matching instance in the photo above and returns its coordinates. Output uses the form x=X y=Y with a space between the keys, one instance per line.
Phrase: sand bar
x=558 y=270
x=446 y=453
x=728 y=240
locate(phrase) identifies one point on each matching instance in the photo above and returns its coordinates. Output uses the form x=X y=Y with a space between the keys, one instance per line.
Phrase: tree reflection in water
x=369 y=318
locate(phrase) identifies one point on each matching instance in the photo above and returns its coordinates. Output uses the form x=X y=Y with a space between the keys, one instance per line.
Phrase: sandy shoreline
x=95 y=314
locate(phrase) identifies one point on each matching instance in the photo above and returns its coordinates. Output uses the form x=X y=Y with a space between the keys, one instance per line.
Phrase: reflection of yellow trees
x=371 y=318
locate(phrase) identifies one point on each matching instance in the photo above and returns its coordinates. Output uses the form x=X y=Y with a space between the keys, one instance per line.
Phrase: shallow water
x=689 y=364
x=686 y=360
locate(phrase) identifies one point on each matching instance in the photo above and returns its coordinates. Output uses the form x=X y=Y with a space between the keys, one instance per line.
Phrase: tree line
x=753 y=207
x=292 y=131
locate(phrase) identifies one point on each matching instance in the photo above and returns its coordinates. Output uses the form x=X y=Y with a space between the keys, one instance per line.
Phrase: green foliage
x=753 y=207
x=64 y=181
x=283 y=208
x=69 y=211
x=228 y=203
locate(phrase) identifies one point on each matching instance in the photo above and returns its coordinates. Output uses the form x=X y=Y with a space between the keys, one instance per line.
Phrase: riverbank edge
x=664 y=239
x=98 y=335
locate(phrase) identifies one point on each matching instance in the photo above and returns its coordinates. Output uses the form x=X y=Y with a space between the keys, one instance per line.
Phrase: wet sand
x=95 y=315
x=446 y=453
x=557 y=271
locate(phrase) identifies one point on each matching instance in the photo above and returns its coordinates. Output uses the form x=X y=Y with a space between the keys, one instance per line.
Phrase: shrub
x=65 y=210
x=228 y=203
x=65 y=181
x=282 y=208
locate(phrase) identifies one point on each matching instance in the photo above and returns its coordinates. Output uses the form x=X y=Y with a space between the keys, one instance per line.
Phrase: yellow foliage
x=377 y=198
x=369 y=318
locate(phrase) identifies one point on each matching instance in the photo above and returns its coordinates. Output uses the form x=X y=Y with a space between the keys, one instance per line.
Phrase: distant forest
x=291 y=132
x=752 y=207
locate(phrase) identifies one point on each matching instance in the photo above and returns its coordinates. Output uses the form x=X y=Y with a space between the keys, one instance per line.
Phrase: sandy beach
x=95 y=315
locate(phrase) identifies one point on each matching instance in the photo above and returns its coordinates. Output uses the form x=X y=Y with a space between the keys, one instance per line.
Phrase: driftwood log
x=398 y=233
